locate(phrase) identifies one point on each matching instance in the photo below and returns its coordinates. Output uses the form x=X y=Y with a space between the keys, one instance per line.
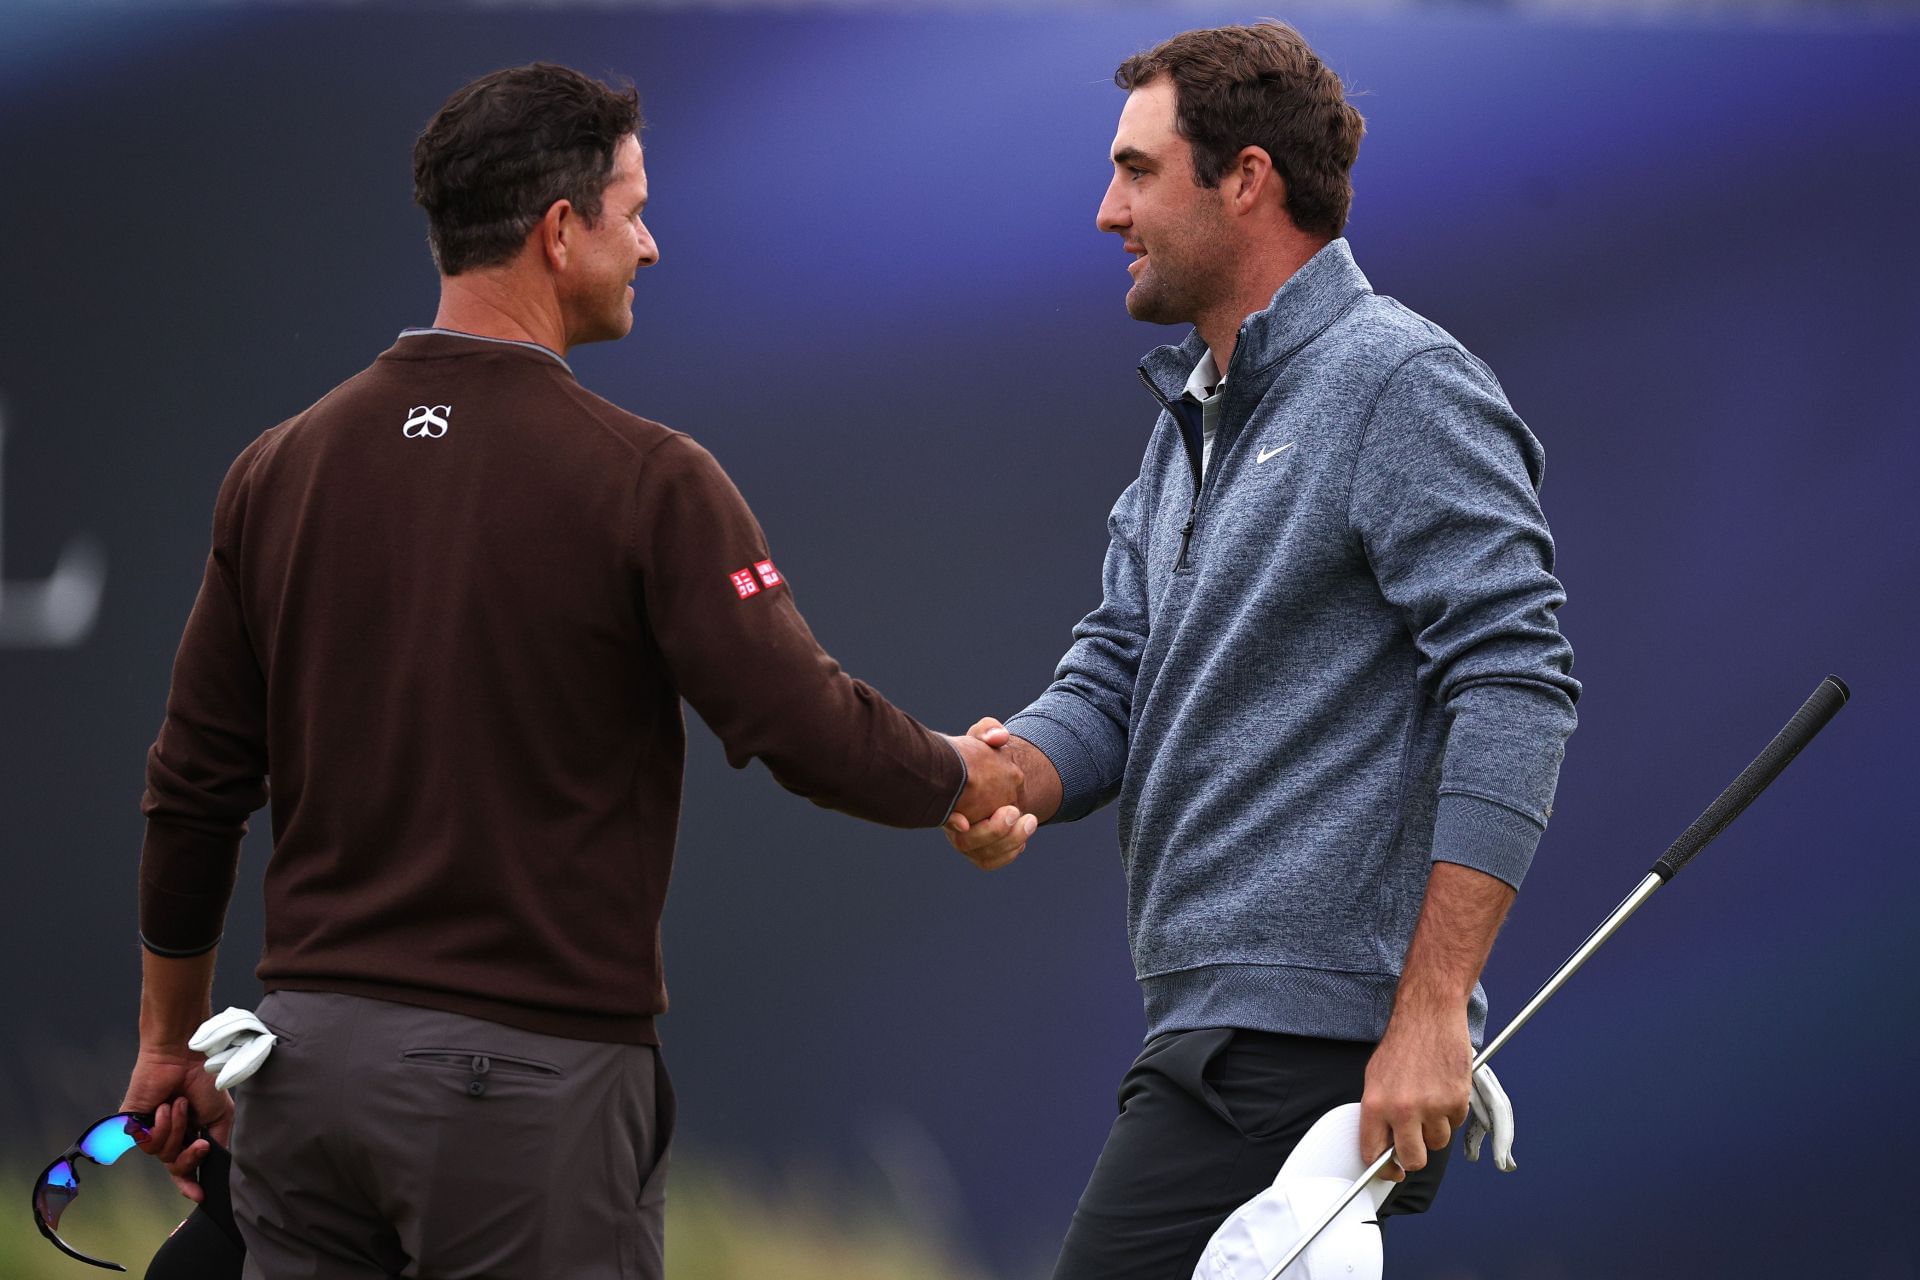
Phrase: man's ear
x=555 y=231
x=1251 y=179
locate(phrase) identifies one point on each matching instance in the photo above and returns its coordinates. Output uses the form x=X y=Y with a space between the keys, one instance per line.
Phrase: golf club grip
x=1756 y=777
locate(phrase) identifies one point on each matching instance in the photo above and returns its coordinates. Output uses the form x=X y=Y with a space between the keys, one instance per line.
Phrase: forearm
x=1078 y=726
x=742 y=656
x=846 y=748
x=176 y=996
x=1458 y=921
x=1418 y=1079
x=206 y=775
x=821 y=733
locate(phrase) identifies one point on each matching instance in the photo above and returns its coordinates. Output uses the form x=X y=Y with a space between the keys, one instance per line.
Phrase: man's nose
x=1112 y=215
x=649 y=248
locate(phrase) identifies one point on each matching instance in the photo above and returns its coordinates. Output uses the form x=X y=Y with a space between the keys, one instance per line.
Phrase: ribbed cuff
x=186 y=882
x=177 y=953
x=1485 y=835
x=1081 y=783
x=959 y=790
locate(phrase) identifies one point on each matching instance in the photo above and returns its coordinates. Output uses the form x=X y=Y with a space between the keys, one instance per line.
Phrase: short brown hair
x=1261 y=86
x=503 y=149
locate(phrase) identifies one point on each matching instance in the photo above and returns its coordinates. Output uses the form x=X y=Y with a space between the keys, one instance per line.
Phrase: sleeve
x=1080 y=722
x=207 y=770
x=1445 y=500
x=744 y=659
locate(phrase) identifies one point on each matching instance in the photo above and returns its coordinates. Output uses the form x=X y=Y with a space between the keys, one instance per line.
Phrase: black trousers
x=1206 y=1120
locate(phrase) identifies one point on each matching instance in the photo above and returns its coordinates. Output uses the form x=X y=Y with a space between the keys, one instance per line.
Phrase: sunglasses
x=59 y=1185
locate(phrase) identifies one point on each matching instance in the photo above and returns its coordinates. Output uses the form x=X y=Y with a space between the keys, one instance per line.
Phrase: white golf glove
x=235 y=1042
x=1491 y=1112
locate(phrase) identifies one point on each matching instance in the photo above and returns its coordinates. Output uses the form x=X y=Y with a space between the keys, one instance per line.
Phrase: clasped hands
x=990 y=823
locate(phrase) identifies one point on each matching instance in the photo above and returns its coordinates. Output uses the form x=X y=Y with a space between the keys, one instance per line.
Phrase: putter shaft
x=1813 y=715
x=1567 y=969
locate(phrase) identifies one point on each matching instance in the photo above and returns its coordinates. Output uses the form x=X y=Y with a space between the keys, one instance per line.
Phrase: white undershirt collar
x=1204 y=386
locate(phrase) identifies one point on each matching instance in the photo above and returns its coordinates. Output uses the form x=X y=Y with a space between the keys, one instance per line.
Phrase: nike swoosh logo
x=1269 y=453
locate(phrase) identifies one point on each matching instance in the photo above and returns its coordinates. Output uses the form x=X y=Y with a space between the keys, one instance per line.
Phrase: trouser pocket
x=484 y=1071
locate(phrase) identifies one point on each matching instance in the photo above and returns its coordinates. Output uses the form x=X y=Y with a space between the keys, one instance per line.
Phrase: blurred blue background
x=1686 y=247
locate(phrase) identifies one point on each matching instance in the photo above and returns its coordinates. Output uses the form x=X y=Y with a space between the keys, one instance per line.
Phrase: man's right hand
x=992 y=840
x=993 y=775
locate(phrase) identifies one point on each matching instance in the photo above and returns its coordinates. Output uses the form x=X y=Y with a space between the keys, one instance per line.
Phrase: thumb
x=990 y=731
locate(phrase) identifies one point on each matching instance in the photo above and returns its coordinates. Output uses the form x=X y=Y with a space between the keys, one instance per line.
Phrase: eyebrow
x=1133 y=156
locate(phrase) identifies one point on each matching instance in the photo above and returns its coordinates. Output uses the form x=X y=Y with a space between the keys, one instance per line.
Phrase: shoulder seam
x=1373 y=408
x=587 y=409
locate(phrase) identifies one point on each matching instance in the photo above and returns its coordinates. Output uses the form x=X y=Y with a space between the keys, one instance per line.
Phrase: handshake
x=1011 y=787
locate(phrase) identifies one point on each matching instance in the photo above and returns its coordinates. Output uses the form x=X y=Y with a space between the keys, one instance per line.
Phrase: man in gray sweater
x=1324 y=680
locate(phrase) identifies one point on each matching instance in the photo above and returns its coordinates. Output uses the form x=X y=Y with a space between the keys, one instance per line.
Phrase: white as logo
x=427 y=420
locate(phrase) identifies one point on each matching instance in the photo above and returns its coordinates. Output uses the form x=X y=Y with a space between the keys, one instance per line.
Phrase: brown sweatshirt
x=453 y=609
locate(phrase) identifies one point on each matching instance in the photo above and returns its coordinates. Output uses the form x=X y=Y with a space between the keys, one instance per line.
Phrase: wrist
x=176 y=996
x=169 y=1035
x=1428 y=1007
x=1039 y=780
x=167 y=1025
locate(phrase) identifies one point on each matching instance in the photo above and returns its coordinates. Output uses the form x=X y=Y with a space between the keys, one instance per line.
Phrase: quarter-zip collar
x=1312 y=298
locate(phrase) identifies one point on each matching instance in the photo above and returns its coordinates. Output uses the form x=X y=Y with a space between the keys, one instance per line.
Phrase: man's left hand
x=1417 y=1090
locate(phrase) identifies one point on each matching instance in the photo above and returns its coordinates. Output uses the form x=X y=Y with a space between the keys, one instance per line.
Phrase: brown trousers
x=381 y=1140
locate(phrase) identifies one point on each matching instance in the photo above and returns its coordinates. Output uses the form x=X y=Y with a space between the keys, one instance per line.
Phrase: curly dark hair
x=503 y=149
x=1261 y=86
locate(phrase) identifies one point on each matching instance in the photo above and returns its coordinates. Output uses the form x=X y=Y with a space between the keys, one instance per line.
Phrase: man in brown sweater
x=453 y=608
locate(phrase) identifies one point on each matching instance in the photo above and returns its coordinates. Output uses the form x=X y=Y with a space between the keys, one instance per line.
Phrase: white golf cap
x=1260 y=1232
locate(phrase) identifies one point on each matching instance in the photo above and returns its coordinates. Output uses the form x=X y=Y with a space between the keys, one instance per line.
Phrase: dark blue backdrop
x=1686 y=249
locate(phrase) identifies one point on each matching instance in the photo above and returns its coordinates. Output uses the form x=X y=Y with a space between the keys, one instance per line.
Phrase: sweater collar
x=437 y=333
x=1312 y=298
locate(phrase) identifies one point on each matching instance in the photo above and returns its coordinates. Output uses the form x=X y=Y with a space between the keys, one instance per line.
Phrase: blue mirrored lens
x=55 y=1192
x=111 y=1139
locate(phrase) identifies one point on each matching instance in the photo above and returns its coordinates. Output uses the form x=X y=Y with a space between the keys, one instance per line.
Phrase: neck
x=491 y=304
x=1261 y=271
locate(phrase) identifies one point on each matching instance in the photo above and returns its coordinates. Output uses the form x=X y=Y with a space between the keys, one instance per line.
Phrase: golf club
x=1812 y=717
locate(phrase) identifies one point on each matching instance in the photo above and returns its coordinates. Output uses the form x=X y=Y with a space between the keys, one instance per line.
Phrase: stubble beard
x=1153 y=300
x=1199 y=275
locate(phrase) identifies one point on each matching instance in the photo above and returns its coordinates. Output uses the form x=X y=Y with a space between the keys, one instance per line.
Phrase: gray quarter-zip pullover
x=1325 y=664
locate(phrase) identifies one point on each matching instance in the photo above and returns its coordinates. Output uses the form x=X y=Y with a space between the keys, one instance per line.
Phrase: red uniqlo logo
x=743 y=583
x=768 y=574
